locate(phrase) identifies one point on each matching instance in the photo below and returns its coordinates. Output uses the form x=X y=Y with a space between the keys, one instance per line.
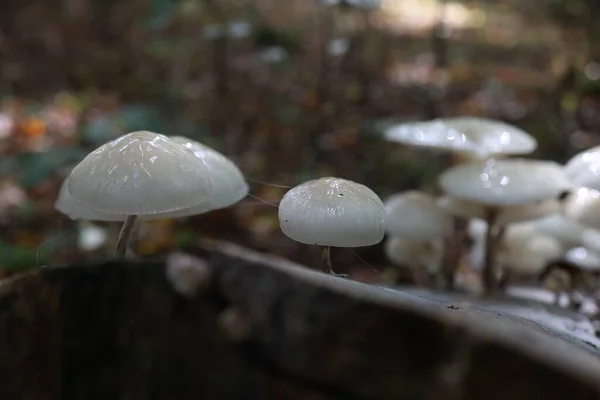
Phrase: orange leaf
x=33 y=127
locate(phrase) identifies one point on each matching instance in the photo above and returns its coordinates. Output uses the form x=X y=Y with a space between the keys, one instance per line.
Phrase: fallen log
x=235 y=324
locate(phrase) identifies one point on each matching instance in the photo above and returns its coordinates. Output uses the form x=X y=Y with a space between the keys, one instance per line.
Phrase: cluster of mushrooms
x=520 y=215
x=144 y=176
x=511 y=218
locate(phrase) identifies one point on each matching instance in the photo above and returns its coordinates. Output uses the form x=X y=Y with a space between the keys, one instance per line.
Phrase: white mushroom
x=228 y=185
x=418 y=254
x=474 y=137
x=583 y=206
x=584 y=168
x=139 y=174
x=507 y=215
x=332 y=212
x=583 y=258
x=532 y=256
x=497 y=184
x=66 y=204
x=415 y=215
x=569 y=232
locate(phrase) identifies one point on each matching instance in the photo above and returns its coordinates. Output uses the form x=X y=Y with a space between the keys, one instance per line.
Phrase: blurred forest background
x=289 y=89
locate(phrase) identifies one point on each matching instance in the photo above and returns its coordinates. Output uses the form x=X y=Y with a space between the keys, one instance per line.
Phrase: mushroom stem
x=124 y=235
x=490 y=280
x=134 y=238
x=326 y=263
x=326 y=260
x=453 y=251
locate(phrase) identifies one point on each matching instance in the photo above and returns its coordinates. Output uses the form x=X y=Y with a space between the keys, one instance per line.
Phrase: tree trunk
x=258 y=327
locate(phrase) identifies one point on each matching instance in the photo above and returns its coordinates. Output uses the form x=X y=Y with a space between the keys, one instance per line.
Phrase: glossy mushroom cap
x=141 y=173
x=415 y=215
x=228 y=185
x=566 y=230
x=584 y=258
x=481 y=137
x=507 y=182
x=332 y=212
x=66 y=204
x=494 y=137
x=584 y=168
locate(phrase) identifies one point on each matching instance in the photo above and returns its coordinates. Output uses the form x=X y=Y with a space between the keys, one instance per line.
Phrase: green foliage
x=17 y=258
x=161 y=14
x=33 y=169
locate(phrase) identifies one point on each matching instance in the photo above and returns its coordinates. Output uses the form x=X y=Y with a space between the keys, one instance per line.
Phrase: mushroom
x=529 y=258
x=583 y=206
x=566 y=230
x=470 y=137
x=228 y=185
x=582 y=267
x=422 y=257
x=497 y=184
x=139 y=174
x=332 y=212
x=416 y=218
x=584 y=168
x=226 y=181
x=507 y=215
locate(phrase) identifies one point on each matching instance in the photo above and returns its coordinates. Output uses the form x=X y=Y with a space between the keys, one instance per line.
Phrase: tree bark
x=261 y=328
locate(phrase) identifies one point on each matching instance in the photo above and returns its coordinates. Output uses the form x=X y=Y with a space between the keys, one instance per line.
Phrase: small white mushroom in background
x=566 y=230
x=529 y=258
x=584 y=168
x=589 y=264
x=420 y=255
x=497 y=184
x=470 y=137
x=332 y=212
x=186 y=274
x=415 y=215
x=581 y=268
x=506 y=215
x=415 y=218
x=583 y=206
x=515 y=235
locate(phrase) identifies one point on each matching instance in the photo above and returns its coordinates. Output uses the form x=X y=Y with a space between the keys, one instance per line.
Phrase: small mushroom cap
x=507 y=215
x=531 y=256
x=561 y=227
x=66 y=204
x=228 y=185
x=584 y=168
x=507 y=182
x=494 y=137
x=332 y=212
x=480 y=136
x=425 y=254
x=141 y=173
x=415 y=215
x=583 y=206
x=591 y=240
x=434 y=134
x=583 y=258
